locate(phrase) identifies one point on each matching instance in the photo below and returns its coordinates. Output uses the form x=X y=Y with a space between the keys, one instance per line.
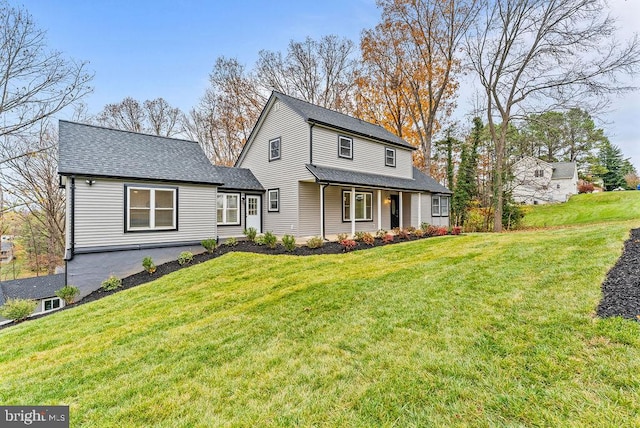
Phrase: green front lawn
x=585 y=209
x=475 y=330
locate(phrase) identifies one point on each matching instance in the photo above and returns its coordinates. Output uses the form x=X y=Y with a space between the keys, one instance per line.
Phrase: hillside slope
x=480 y=330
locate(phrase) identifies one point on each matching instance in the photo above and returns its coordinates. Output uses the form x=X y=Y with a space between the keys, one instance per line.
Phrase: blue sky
x=150 y=49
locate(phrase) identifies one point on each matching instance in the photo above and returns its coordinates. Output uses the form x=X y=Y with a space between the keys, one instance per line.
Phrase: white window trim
x=225 y=208
x=152 y=208
x=369 y=218
x=350 y=140
x=272 y=158
x=52 y=299
x=386 y=157
x=277 y=200
x=439 y=212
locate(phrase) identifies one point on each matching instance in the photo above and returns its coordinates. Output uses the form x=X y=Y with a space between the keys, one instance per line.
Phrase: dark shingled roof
x=563 y=170
x=420 y=181
x=238 y=179
x=39 y=287
x=321 y=115
x=103 y=152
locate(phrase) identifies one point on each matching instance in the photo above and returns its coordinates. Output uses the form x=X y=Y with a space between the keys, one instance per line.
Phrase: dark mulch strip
x=242 y=246
x=621 y=287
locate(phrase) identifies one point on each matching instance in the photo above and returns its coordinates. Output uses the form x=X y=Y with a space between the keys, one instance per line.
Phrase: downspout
x=311 y=142
x=72 y=231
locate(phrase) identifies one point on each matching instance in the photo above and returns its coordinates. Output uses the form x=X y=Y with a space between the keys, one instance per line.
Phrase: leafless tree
x=533 y=53
x=227 y=112
x=321 y=72
x=29 y=172
x=35 y=82
x=155 y=117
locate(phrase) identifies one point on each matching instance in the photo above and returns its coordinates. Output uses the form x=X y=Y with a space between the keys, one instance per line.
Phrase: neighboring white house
x=6 y=251
x=305 y=171
x=538 y=182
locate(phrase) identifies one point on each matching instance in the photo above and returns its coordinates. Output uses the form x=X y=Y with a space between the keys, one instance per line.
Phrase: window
x=440 y=206
x=150 y=208
x=345 y=147
x=539 y=173
x=389 y=157
x=274 y=199
x=252 y=205
x=363 y=206
x=51 y=304
x=274 y=149
x=557 y=186
x=228 y=208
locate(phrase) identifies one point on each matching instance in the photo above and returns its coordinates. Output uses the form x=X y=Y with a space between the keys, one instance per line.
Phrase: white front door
x=253 y=212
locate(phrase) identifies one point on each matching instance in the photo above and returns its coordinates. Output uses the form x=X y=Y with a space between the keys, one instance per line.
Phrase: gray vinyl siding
x=368 y=156
x=309 y=209
x=284 y=173
x=424 y=216
x=100 y=214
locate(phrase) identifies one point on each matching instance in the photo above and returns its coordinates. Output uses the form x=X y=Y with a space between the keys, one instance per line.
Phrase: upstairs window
x=389 y=156
x=345 y=147
x=274 y=149
x=150 y=208
x=440 y=206
x=539 y=173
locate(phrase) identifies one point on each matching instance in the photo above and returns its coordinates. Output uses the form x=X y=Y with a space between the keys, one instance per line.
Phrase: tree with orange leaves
x=411 y=63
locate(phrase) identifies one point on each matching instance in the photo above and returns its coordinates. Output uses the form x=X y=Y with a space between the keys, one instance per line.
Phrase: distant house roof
x=40 y=287
x=238 y=179
x=420 y=181
x=103 y=152
x=324 y=116
x=563 y=170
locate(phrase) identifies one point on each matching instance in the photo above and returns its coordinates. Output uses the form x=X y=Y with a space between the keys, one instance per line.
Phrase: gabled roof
x=39 y=287
x=324 y=116
x=103 y=152
x=420 y=181
x=563 y=170
x=238 y=179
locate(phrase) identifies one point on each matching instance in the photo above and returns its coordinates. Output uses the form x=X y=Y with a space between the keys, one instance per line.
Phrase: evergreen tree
x=613 y=166
x=466 y=186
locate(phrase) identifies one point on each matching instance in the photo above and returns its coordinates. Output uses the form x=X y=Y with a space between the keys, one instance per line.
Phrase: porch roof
x=420 y=182
x=39 y=287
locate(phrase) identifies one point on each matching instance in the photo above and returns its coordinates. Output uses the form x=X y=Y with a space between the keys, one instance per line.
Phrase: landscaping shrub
x=395 y=230
x=209 y=245
x=185 y=257
x=348 y=244
x=368 y=239
x=585 y=187
x=269 y=239
x=111 y=283
x=424 y=226
x=403 y=234
x=411 y=229
x=358 y=236
x=251 y=234
x=315 y=242
x=381 y=233
x=148 y=265
x=289 y=243
x=431 y=231
x=231 y=242
x=18 y=309
x=418 y=233
x=455 y=230
x=441 y=231
x=68 y=293
x=388 y=238
x=342 y=236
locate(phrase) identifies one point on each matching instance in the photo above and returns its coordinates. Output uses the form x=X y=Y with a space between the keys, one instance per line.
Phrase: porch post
x=379 y=209
x=400 y=209
x=419 y=210
x=353 y=211
x=322 y=211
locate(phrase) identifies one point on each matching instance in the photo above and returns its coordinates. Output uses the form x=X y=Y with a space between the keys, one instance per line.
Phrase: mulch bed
x=621 y=288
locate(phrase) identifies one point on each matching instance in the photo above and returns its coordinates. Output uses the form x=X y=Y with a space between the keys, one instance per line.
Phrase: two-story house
x=305 y=171
x=327 y=173
x=538 y=182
